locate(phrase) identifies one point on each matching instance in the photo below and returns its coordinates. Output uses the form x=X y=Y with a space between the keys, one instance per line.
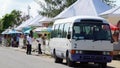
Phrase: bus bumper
x=91 y=58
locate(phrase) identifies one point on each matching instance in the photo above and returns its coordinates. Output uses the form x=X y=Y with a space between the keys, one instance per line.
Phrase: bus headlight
x=106 y=53
x=78 y=51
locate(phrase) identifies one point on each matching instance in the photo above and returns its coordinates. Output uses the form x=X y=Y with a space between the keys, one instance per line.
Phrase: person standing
x=24 y=42
x=29 y=44
x=39 y=40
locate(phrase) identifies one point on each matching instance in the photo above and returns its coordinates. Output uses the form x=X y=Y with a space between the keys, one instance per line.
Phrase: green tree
x=16 y=16
x=6 y=21
x=110 y=2
x=51 y=8
x=9 y=20
x=1 y=25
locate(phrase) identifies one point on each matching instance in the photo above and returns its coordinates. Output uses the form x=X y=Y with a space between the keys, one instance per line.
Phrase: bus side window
x=55 y=31
x=61 y=30
x=69 y=33
x=65 y=30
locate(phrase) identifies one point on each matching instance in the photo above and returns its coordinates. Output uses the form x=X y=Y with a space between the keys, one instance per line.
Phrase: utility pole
x=29 y=11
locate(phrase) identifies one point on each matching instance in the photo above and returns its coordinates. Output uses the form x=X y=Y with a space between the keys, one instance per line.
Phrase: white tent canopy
x=36 y=21
x=40 y=29
x=26 y=23
x=46 y=19
x=23 y=24
x=6 y=31
x=112 y=12
x=84 y=7
x=112 y=15
x=39 y=21
x=12 y=31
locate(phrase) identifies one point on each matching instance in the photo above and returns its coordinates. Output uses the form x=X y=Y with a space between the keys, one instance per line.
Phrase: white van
x=81 y=39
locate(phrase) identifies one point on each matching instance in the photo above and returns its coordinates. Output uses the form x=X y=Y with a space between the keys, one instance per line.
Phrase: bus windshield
x=91 y=31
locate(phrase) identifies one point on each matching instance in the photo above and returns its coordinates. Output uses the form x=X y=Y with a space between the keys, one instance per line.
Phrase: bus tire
x=68 y=61
x=57 y=59
x=102 y=65
x=83 y=63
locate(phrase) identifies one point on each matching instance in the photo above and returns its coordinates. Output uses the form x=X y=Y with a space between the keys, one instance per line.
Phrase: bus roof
x=78 y=18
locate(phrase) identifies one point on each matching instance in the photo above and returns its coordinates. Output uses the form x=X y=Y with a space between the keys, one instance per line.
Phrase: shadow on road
x=78 y=65
x=116 y=57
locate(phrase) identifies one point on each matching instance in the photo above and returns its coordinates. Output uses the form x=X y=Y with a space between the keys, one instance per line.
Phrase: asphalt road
x=11 y=58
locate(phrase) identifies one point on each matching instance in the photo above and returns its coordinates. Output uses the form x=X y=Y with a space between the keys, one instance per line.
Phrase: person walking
x=39 y=40
x=29 y=44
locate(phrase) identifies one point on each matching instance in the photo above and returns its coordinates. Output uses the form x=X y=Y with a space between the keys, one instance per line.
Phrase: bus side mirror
x=112 y=40
x=68 y=36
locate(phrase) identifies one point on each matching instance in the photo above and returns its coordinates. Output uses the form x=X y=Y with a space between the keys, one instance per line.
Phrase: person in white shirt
x=29 y=44
x=39 y=40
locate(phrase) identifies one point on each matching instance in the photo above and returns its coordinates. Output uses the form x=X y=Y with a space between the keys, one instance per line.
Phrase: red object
x=113 y=27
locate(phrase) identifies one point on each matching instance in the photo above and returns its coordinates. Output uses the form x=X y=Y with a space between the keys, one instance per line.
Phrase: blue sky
x=8 y=5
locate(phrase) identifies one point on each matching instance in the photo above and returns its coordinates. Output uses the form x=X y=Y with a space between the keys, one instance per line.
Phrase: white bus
x=81 y=39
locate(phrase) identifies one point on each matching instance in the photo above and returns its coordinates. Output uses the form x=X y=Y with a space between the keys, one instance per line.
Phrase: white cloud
x=22 y=5
x=4 y=6
x=34 y=9
x=117 y=2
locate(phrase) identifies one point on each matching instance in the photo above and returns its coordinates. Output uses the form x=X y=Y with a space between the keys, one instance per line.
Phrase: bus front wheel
x=102 y=65
x=69 y=62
